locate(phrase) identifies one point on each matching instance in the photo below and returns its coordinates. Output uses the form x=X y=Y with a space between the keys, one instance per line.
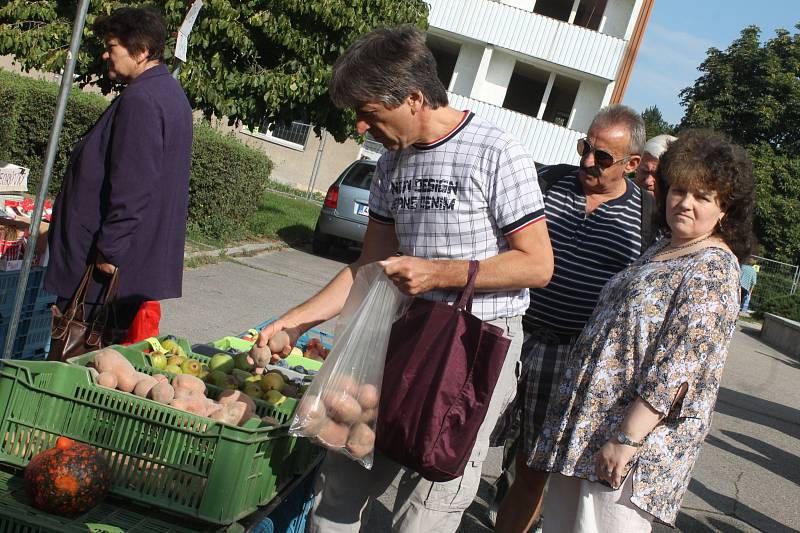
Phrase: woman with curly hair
x=636 y=398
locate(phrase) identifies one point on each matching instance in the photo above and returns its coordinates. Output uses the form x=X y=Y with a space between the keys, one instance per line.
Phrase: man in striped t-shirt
x=594 y=216
x=451 y=188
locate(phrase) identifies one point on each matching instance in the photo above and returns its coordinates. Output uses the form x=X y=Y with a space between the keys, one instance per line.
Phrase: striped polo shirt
x=588 y=250
x=460 y=197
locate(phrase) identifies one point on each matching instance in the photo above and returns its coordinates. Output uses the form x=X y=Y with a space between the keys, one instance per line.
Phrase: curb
x=236 y=250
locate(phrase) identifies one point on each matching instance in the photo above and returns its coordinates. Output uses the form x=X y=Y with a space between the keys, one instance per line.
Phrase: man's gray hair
x=658 y=145
x=387 y=65
x=622 y=115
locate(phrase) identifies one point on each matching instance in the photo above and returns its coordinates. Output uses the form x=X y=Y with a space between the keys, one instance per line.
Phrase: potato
x=346 y=384
x=261 y=356
x=126 y=378
x=107 y=379
x=161 y=378
x=182 y=393
x=361 y=440
x=368 y=396
x=368 y=416
x=279 y=343
x=187 y=381
x=234 y=413
x=332 y=434
x=230 y=396
x=212 y=407
x=192 y=404
x=107 y=359
x=142 y=388
x=343 y=408
x=311 y=415
x=162 y=392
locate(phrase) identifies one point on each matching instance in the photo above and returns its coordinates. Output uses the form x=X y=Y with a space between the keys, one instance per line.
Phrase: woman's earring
x=719 y=226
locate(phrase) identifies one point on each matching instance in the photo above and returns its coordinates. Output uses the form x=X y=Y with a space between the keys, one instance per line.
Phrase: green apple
x=243 y=361
x=221 y=361
x=274 y=397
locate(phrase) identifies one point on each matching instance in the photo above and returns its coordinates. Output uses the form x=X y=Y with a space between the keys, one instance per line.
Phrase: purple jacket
x=126 y=193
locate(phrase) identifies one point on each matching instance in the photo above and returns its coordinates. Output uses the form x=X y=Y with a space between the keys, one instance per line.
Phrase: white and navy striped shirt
x=588 y=250
x=459 y=197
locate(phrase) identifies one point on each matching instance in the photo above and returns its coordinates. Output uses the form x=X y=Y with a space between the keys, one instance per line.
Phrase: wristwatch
x=623 y=438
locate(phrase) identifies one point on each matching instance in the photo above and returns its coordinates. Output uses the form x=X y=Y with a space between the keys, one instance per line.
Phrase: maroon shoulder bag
x=442 y=365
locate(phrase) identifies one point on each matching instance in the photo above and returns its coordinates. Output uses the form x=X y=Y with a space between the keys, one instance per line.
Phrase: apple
x=221 y=361
x=243 y=361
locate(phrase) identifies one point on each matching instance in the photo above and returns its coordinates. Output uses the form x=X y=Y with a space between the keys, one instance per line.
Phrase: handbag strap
x=101 y=319
x=465 y=298
x=80 y=296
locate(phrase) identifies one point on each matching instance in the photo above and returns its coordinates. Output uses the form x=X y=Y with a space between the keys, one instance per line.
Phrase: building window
x=526 y=89
x=446 y=54
x=561 y=101
x=292 y=135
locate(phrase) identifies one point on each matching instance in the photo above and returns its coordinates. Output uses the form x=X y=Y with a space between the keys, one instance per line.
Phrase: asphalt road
x=748 y=475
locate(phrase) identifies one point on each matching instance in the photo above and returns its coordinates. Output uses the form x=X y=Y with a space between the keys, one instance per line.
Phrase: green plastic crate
x=290 y=455
x=158 y=455
x=16 y=516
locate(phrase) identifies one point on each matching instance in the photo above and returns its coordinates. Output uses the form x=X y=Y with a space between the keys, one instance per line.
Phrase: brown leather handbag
x=71 y=334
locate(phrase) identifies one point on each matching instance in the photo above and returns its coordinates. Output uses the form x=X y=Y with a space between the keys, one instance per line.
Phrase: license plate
x=361 y=209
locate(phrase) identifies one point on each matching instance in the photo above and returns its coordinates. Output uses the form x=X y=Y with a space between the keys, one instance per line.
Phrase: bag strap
x=101 y=320
x=465 y=298
x=80 y=296
x=648 y=209
x=549 y=175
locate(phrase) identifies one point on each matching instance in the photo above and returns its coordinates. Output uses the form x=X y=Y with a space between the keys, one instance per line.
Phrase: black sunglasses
x=602 y=158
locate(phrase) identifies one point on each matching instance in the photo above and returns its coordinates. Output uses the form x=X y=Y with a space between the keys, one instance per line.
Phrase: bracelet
x=623 y=438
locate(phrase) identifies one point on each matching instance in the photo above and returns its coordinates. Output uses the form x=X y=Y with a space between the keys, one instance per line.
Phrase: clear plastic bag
x=340 y=407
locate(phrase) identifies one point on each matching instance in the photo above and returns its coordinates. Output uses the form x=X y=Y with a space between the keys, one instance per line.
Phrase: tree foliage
x=751 y=91
x=248 y=59
x=654 y=122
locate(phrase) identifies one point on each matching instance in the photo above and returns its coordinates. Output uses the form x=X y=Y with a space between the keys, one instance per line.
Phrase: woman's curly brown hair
x=707 y=160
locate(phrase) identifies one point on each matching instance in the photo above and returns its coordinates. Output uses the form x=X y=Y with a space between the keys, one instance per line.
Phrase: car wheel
x=320 y=243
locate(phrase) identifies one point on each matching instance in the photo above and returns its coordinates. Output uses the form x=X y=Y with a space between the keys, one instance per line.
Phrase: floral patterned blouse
x=659 y=324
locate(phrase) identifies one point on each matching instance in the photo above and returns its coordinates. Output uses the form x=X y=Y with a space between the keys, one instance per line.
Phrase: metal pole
x=317 y=161
x=795 y=280
x=52 y=146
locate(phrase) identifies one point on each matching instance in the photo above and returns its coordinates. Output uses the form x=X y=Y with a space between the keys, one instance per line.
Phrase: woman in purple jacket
x=124 y=199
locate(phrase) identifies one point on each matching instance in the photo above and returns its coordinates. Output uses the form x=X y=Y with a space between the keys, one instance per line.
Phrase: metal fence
x=775 y=278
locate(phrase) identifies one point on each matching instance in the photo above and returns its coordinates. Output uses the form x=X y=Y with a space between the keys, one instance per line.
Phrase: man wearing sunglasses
x=599 y=222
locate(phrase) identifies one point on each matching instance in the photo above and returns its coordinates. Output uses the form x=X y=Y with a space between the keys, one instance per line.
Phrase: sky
x=681 y=31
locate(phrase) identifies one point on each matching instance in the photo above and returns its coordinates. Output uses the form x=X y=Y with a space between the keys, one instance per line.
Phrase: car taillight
x=332 y=198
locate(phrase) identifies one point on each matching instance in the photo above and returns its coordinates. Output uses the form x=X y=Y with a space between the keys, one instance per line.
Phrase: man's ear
x=416 y=100
x=141 y=56
x=632 y=164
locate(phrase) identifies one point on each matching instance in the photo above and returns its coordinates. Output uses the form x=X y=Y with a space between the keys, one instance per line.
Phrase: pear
x=191 y=366
x=158 y=360
x=218 y=378
x=253 y=390
x=274 y=397
x=175 y=369
x=243 y=361
x=272 y=381
x=176 y=360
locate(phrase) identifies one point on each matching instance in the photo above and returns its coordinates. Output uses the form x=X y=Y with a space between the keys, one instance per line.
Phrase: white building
x=539 y=69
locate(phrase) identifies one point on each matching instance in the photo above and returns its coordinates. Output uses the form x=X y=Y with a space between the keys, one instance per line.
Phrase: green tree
x=751 y=91
x=655 y=123
x=248 y=59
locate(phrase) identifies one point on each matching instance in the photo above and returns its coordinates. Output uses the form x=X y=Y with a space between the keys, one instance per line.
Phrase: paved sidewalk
x=748 y=475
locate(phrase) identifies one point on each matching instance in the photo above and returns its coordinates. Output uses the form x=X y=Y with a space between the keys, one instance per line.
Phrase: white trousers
x=344 y=489
x=575 y=505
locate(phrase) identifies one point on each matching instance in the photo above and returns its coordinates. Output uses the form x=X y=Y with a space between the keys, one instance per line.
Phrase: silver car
x=345 y=212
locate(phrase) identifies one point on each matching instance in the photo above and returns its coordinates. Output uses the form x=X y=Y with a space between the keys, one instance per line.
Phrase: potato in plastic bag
x=340 y=408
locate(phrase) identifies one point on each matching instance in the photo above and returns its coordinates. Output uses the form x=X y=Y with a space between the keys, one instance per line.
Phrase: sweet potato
x=160 y=378
x=190 y=382
x=142 y=388
x=279 y=343
x=261 y=356
x=368 y=396
x=332 y=434
x=162 y=392
x=107 y=379
x=127 y=378
x=360 y=441
x=192 y=404
x=212 y=407
x=183 y=392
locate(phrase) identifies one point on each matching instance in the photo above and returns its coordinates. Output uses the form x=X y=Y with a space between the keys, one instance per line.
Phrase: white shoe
x=492 y=514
